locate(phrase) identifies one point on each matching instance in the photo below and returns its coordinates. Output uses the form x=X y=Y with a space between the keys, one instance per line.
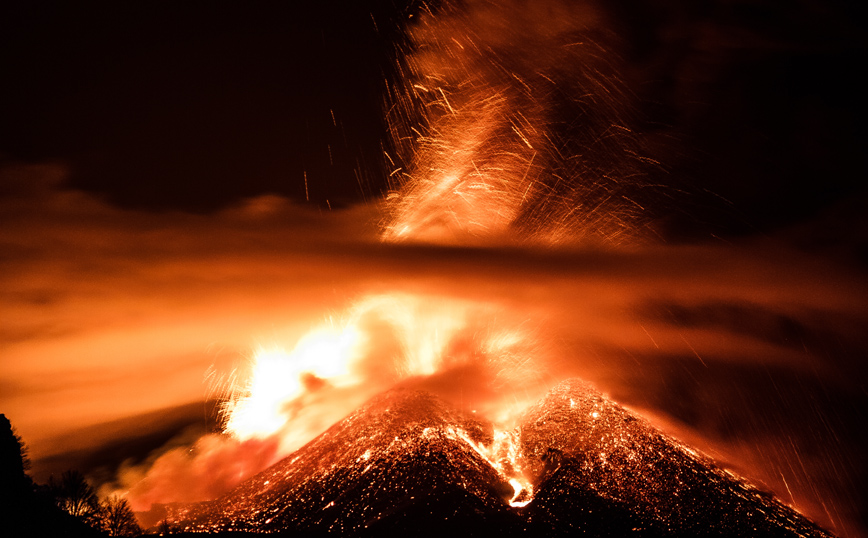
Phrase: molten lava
x=494 y=145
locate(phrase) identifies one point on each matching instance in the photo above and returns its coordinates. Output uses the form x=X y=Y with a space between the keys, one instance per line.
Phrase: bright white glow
x=278 y=377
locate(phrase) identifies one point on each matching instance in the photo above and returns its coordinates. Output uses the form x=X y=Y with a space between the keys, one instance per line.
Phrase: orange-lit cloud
x=110 y=312
x=753 y=351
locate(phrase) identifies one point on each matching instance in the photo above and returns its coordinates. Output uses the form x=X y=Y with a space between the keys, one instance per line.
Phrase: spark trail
x=510 y=123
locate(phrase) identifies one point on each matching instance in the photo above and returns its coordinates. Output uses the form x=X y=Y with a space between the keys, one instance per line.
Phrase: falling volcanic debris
x=402 y=460
x=607 y=468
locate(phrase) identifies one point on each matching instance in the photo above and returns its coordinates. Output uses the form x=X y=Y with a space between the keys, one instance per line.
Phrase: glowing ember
x=494 y=142
x=479 y=128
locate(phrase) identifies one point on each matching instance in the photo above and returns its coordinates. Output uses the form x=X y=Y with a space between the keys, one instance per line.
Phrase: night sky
x=183 y=181
x=194 y=105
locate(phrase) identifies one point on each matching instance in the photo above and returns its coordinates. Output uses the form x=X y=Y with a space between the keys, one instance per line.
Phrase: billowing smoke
x=485 y=353
x=477 y=355
x=192 y=470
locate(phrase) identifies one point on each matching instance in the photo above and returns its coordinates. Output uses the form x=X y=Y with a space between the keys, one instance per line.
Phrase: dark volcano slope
x=600 y=469
x=405 y=464
x=399 y=464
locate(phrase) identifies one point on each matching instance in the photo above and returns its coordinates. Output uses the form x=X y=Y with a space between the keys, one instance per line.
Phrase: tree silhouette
x=118 y=518
x=13 y=460
x=75 y=495
x=26 y=510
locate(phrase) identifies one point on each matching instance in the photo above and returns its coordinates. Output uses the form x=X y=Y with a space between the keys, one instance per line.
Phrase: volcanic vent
x=407 y=462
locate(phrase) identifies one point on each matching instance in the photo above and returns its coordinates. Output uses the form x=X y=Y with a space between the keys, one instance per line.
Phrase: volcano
x=407 y=462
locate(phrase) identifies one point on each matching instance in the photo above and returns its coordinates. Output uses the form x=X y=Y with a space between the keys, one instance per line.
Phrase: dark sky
x=755 y=107
x=192 y=105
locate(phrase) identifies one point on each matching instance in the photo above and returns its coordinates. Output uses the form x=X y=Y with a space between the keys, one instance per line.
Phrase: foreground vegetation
x=68 y=506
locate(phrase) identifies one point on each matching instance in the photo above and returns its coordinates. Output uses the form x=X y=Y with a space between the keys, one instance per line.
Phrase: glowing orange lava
x=503 y=456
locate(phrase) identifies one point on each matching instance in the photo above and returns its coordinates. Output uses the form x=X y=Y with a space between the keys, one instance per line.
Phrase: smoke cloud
x=203 y=469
